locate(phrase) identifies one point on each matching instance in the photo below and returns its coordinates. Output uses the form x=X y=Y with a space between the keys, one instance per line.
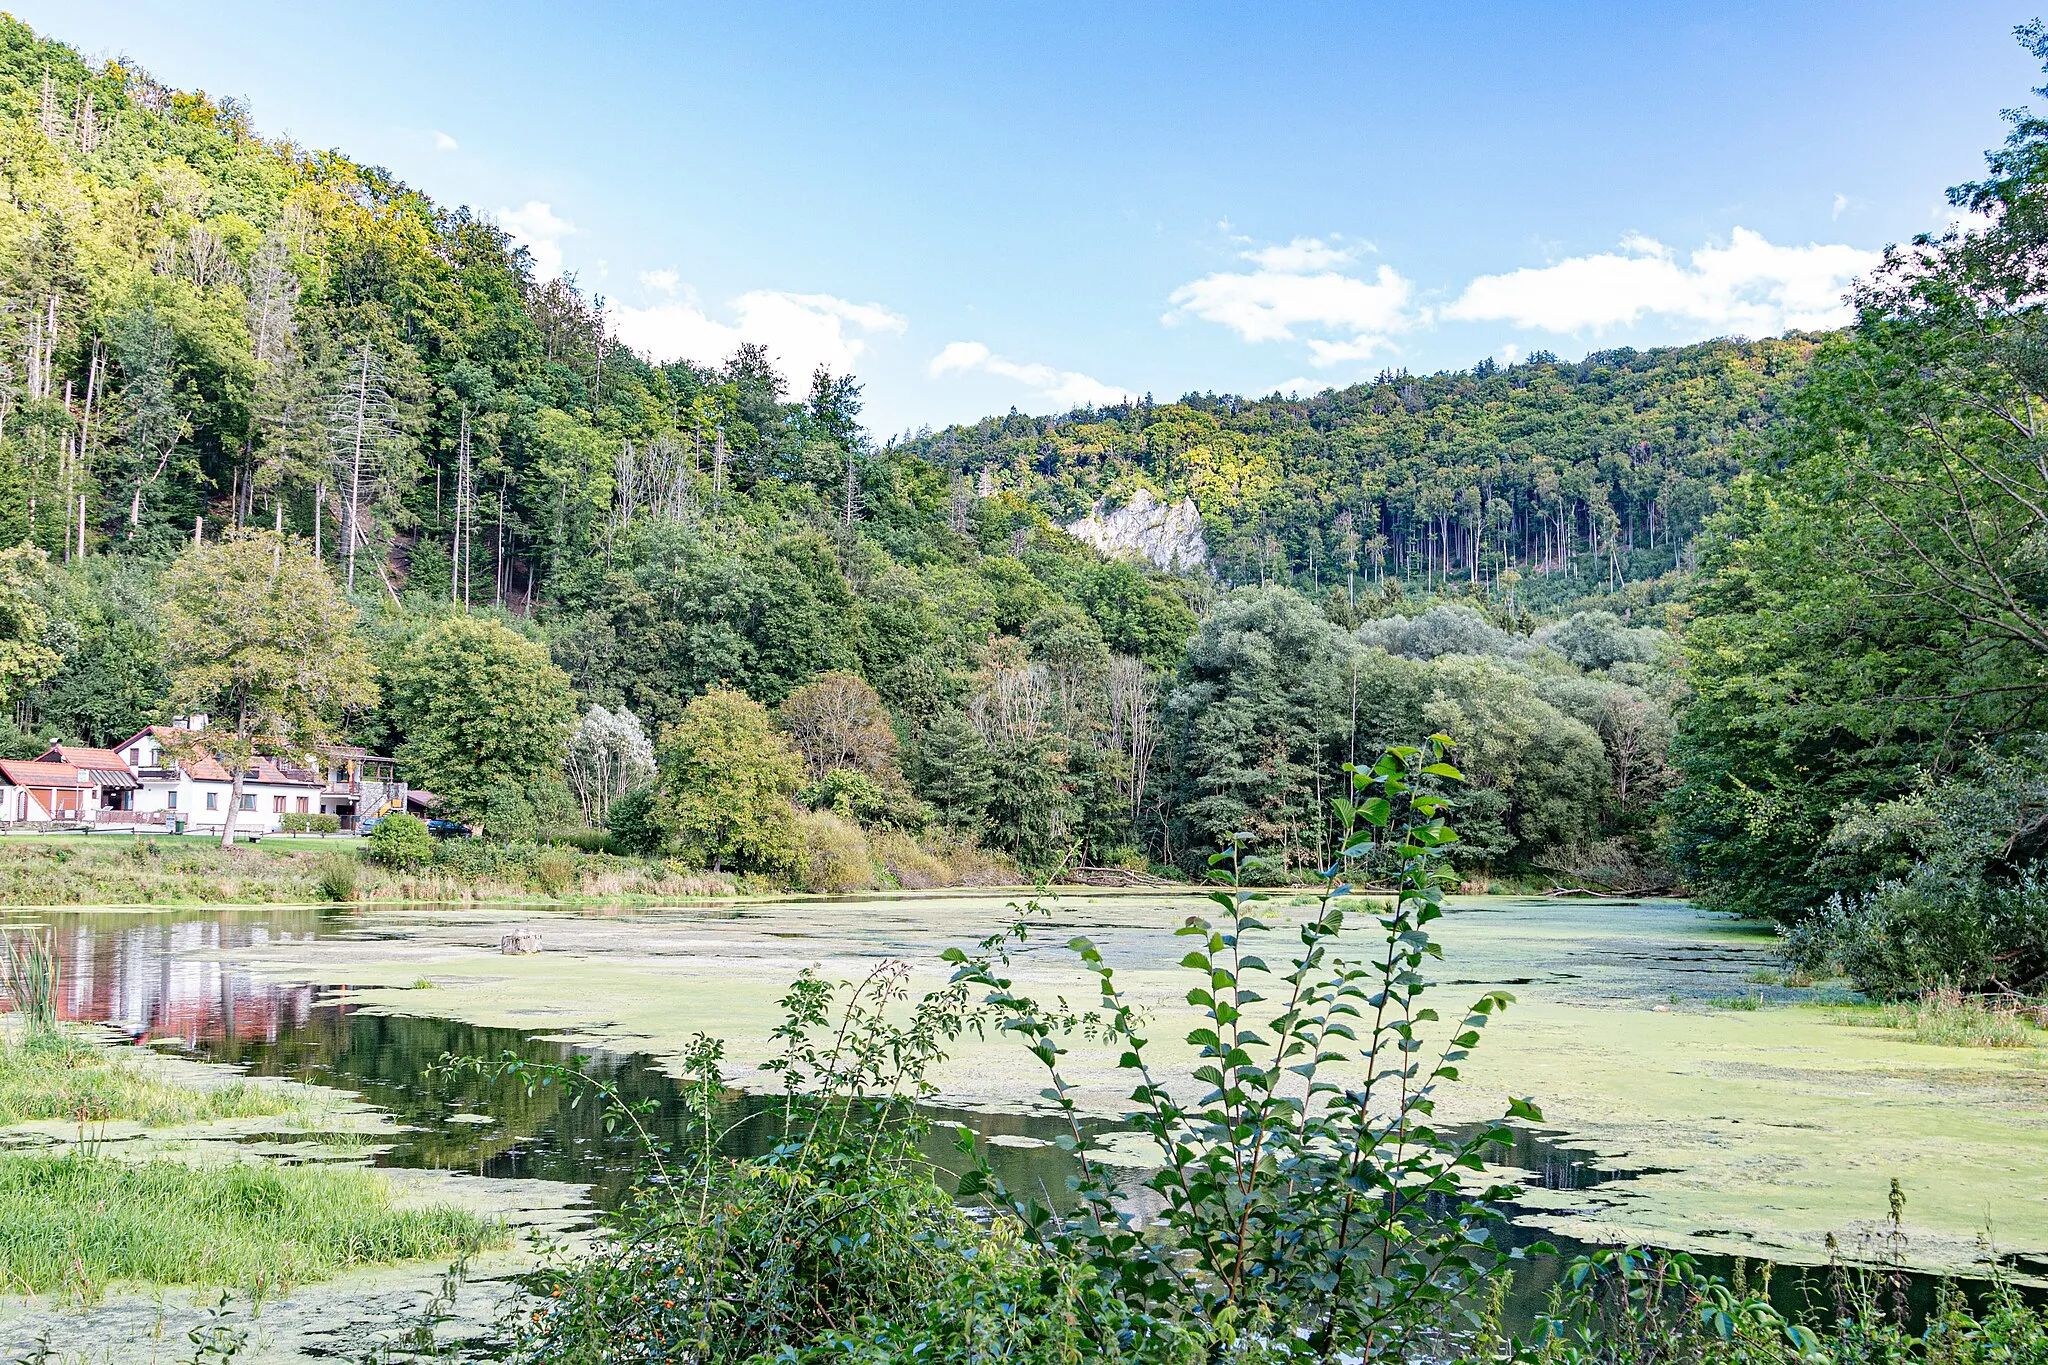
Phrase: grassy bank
x=64 y=1077
x=184 y=870
x=73 y=1224
x=114 y=869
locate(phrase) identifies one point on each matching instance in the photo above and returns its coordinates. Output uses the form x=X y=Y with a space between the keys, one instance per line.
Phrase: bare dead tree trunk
x=355 y=471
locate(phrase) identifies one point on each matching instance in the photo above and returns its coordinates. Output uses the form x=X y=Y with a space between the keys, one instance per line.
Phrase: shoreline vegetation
x=122 y=871
x=181 y=1206
x=61 y=1075
x=118 y=871
x=76 y=1224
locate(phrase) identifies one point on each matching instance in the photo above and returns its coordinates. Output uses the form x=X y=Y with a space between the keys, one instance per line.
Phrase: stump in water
x=519 y=941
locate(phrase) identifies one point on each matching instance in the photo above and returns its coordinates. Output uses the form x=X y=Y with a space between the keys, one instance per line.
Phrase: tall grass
x=56 y=1076
x=1948 y=1018
x=28 y=969
x=74 y=1224
x=336 y=875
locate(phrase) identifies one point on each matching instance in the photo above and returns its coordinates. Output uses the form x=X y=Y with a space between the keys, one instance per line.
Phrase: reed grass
x=28 y=971
x=72 y=1225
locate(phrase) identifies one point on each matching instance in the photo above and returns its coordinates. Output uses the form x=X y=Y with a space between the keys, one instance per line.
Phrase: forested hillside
x=1578 y=477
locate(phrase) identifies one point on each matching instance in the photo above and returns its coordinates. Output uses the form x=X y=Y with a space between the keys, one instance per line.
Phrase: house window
x=213 y=800
x=277 y=805
x=302 y=805
x=135 y=755
x=170 y=801
x=248 y=800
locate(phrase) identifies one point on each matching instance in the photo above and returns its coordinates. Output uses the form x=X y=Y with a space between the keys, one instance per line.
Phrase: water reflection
x=162 y=977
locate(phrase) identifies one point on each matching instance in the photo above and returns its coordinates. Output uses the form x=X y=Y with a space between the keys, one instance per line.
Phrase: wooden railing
x=124 y=818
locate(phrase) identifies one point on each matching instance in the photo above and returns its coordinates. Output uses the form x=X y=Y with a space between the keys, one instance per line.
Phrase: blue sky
x=975 y=207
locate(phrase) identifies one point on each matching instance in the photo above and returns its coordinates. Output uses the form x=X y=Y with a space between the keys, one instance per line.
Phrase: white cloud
x=536 y=227
x=1299 y=288
x=1749 y=286
x=801 y=331
x=661 y=281
x=445 y=143
x=1066 y=388
x=1841 y=205
x=1358 y=349
x=1299 y=256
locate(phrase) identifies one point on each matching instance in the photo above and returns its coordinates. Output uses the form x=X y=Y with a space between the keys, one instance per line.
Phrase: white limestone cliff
x=1166 y=536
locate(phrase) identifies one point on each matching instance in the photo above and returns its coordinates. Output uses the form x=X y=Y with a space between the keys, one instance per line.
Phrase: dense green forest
x=1760 y=617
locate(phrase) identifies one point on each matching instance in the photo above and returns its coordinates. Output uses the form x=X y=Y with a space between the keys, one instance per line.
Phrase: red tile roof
x=201 y=766
x=28 y=773
x=84 y=756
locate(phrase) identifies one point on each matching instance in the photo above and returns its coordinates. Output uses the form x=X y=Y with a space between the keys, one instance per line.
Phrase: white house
x=193 y=792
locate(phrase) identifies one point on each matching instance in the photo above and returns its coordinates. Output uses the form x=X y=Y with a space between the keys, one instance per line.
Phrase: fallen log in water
x=1114 y=876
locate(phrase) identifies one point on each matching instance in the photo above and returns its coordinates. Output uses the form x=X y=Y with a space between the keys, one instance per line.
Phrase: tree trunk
x=355 y=472
x=227 y=826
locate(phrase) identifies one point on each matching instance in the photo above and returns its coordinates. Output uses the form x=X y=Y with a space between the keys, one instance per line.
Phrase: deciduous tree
x=261 y=641
x=726 y=779
x=484 y=712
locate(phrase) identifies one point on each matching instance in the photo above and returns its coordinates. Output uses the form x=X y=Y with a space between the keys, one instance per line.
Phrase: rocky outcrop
x=1165 y=536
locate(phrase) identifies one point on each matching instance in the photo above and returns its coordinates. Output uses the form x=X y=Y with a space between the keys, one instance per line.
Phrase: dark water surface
x=158 y=980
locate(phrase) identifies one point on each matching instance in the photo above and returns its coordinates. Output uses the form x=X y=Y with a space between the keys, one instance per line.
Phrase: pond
x=1684 y=1125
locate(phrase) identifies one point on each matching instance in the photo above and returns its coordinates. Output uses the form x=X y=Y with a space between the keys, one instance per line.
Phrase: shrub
x=835 y=854
x=401 y=841
x=553 y=870
x=307 y=822
x=911 y=867
x=1927 y=931
x=1332 y=1214
x=854 y=795
x=632 y=824
x=475 y=859
x=588 y=840
x=335 y=876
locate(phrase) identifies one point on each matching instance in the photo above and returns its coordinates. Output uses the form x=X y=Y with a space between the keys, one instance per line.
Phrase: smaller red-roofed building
x=33 y=792
x=115 y=785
